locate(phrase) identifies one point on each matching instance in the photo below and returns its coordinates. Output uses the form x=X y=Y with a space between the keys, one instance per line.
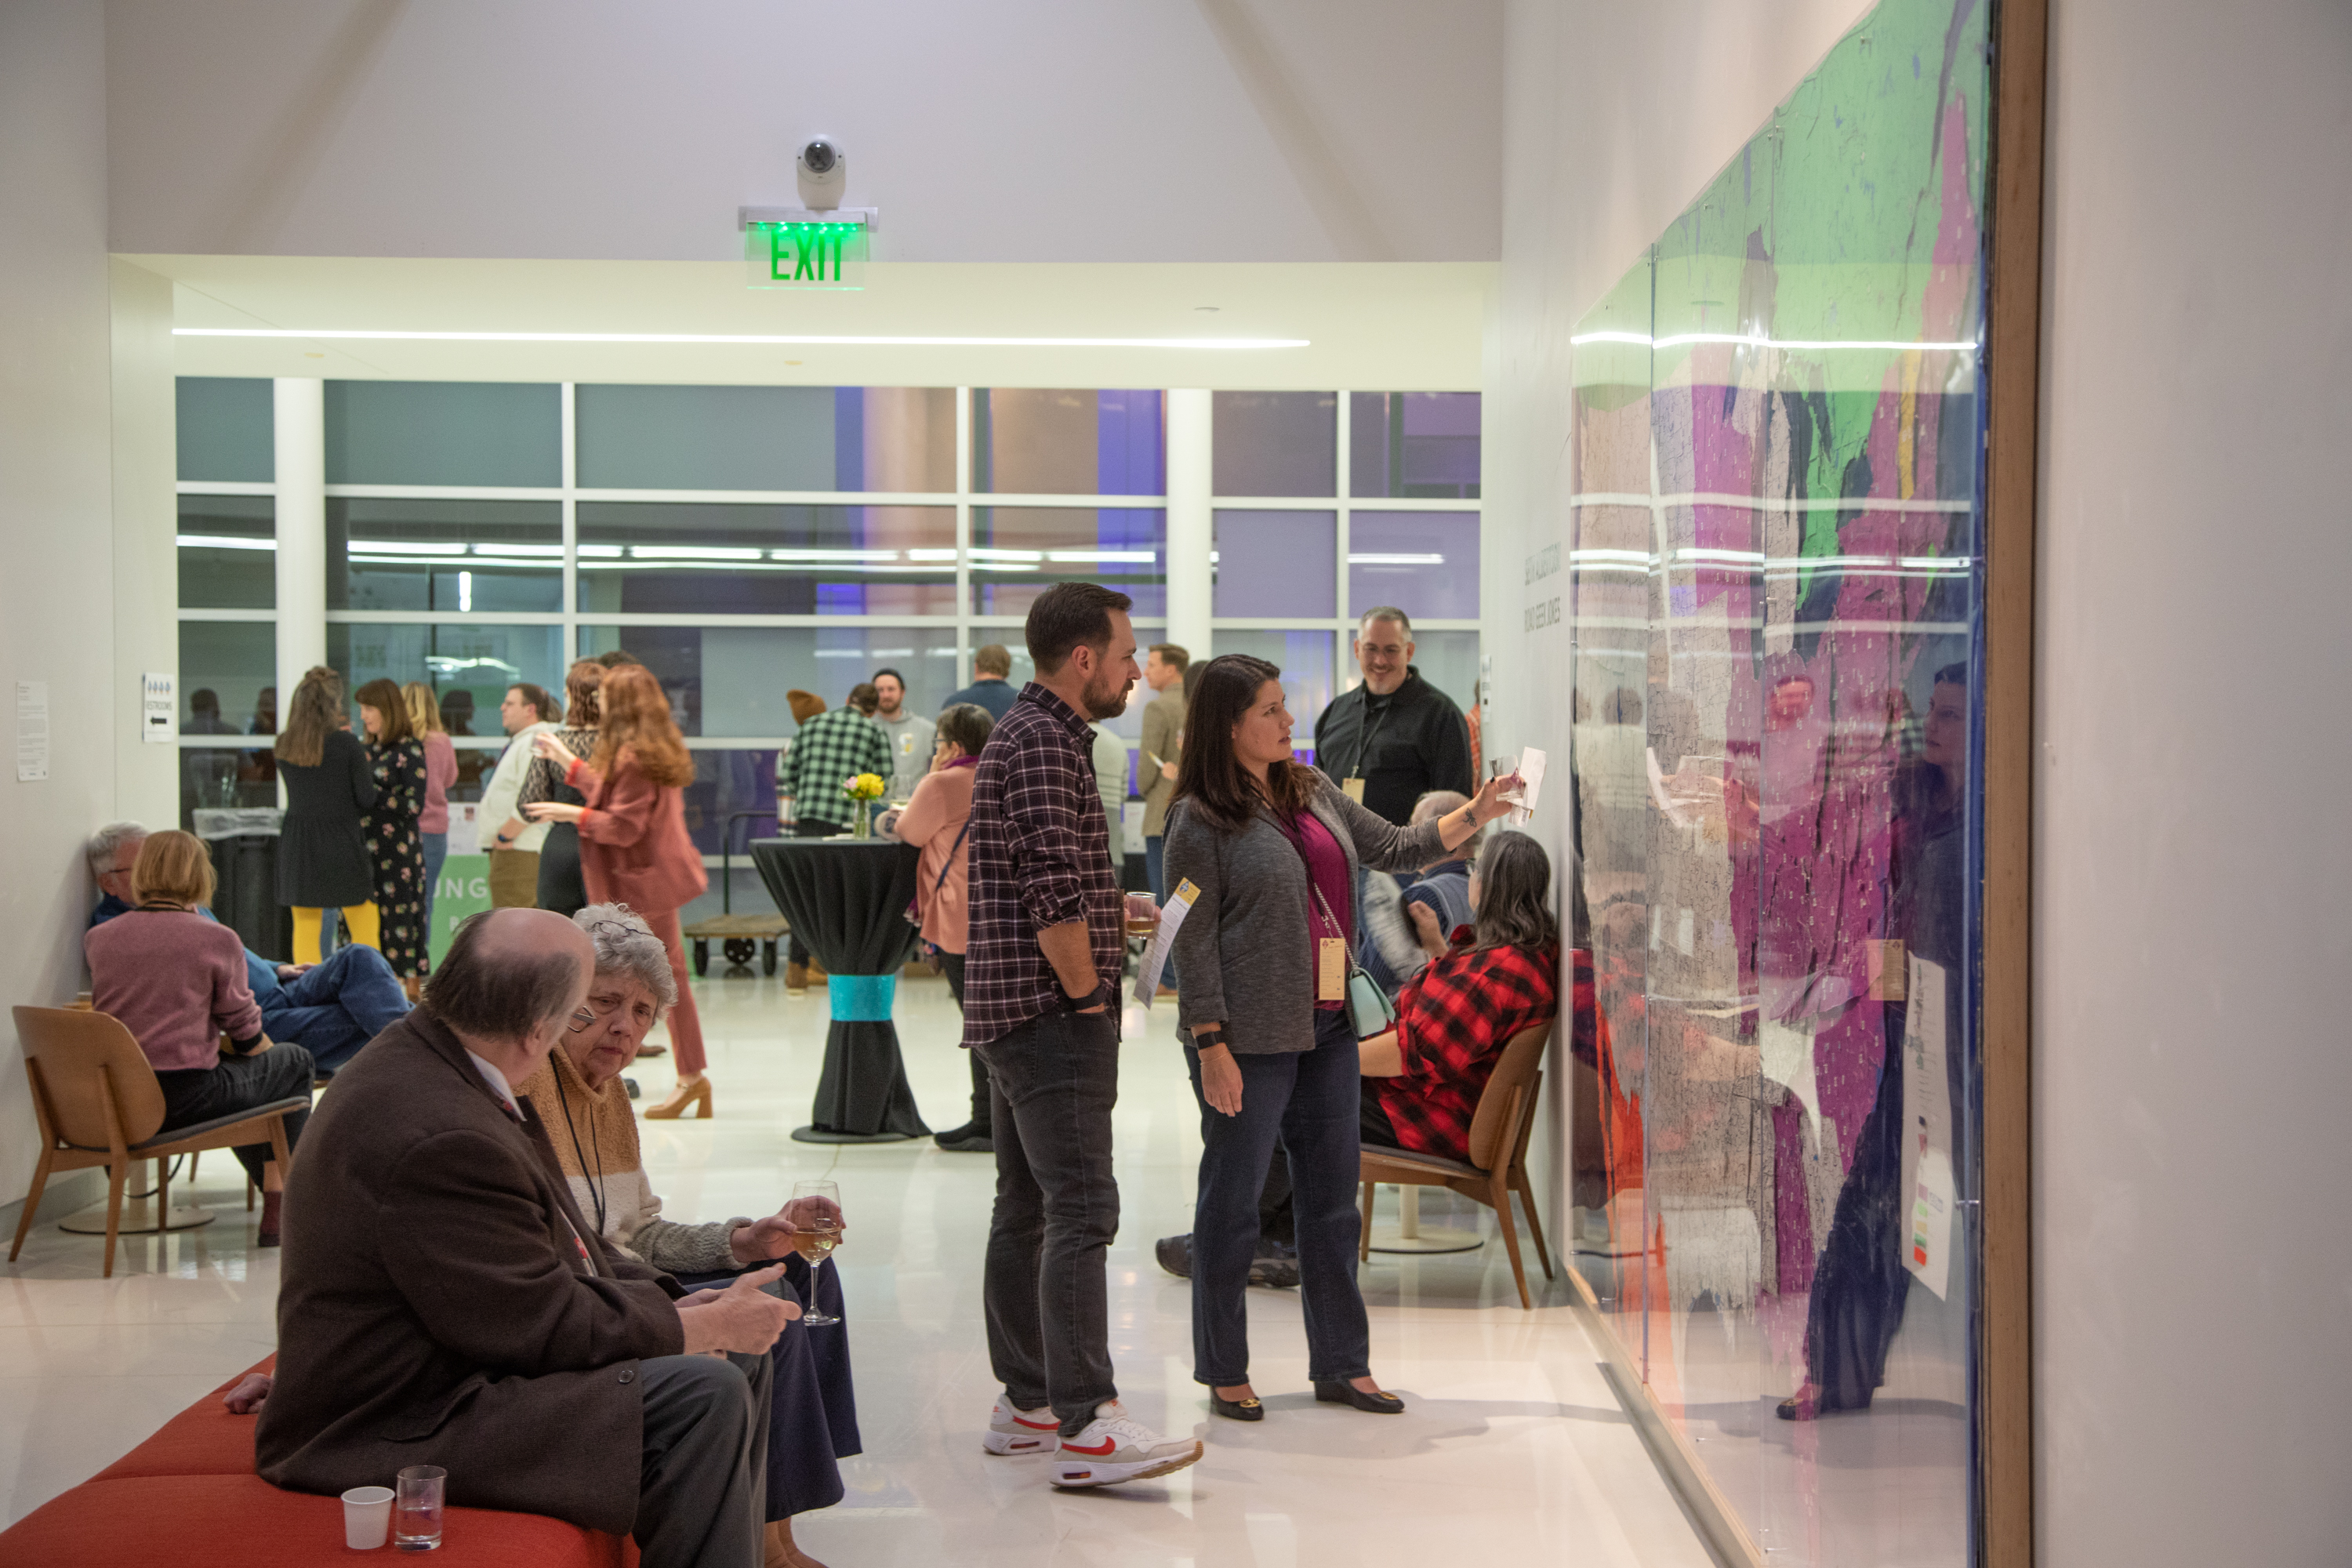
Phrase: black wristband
x=1103 y=996
x=1207 y=1038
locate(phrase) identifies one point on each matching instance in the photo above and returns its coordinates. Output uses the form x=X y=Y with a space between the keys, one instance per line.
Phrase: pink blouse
x=440 y=773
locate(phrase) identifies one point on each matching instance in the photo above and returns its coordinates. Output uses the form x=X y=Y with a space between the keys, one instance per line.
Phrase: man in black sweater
x=1396 y=737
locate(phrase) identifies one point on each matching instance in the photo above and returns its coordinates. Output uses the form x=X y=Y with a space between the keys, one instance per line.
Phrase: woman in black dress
x=322 y=859
x=395 y=844
x=561 y=886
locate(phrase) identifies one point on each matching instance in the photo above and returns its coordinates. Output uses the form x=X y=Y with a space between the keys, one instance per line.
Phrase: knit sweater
x=595 y=1132
x=176 y=980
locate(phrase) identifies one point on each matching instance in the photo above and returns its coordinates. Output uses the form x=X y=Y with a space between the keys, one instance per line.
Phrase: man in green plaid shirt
x=830 y=747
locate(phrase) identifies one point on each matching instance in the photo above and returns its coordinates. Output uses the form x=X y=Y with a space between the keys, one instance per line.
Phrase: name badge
x=1330 y=969
x=1354 y=789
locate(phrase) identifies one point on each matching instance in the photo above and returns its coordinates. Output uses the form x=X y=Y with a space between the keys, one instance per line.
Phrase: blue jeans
x=436 y=851
x=1309 y=1100
x=1151 y=850
x=330 y=1009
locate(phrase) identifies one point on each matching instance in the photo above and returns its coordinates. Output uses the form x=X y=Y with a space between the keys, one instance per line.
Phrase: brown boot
x=796 y=979
x=781 y=1552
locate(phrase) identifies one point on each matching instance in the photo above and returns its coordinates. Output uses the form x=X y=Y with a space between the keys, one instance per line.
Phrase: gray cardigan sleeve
x=1379 y=843
x=675 y=1249
x=1190 y=852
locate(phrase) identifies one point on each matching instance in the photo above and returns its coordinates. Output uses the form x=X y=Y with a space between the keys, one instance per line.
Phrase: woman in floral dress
x=395 y=844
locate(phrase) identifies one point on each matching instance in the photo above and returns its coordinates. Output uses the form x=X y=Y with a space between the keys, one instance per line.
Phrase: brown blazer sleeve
x=464 y=1239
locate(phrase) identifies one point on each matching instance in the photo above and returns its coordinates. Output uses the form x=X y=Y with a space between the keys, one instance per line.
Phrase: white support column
x=300 y=404
x=1189 y=527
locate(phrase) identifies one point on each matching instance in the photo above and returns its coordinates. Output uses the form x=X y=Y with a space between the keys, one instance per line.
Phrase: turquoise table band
x=863 y=999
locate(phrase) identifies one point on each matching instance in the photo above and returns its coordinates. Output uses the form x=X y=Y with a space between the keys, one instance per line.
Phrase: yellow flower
x=863 y=787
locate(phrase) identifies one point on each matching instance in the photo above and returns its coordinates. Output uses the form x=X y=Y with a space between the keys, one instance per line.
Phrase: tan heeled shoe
x=690 y=1091
x=779 y=1552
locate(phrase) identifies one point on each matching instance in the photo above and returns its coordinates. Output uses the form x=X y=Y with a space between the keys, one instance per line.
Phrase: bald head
x=510 y=979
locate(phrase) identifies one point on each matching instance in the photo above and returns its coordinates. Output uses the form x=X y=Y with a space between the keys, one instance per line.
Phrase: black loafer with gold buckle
x=1341 y=1393
x=1250 y=1409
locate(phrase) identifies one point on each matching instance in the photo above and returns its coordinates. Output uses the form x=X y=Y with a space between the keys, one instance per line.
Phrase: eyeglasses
x=581 y=1021
x=621 y=927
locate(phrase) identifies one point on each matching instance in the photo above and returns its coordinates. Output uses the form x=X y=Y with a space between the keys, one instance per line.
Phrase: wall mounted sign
x=159 y=709
x=788 y=248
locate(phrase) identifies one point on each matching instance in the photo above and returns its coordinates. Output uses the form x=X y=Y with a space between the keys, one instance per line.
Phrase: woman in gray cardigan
x=1262 y=960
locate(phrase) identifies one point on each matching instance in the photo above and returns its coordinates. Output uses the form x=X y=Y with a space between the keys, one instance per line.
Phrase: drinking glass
x=815 y=1243
x=416 y=1512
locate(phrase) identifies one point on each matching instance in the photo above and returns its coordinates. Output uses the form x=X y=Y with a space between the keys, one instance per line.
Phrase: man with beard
x=1041 y=1006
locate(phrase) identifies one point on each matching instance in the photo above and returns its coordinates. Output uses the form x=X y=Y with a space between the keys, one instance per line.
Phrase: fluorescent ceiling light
x=691 y=552
x=827 y=556
x=931 y=555
x=600 y=552
x=1144 y=556
x=809 y=339
x=982 y=553
x=409 y=547
x=1749 y=339
x=225 y=542
x=1356 y=560
x=532 y=549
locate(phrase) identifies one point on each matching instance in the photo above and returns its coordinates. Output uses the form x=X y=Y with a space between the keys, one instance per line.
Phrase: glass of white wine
x=816 y=1241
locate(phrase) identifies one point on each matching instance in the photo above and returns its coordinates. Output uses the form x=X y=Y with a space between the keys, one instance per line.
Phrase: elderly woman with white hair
x=578 y=1097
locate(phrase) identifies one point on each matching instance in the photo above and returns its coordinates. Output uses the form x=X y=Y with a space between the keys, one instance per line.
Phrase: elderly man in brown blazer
x=443 y=1302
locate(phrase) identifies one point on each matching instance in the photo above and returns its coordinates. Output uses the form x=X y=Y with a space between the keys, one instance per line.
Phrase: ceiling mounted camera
x=823 y=169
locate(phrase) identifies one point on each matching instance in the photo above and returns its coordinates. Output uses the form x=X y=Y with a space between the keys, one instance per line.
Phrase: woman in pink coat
x=936 y=819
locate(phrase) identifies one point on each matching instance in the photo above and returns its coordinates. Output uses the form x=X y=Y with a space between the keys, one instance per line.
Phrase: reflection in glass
x=462 y=556
x=444 y=433
x=1420 y=444
x=733 y=680
x=672 y=557
x=1423 y=563
x=1043 y=441
x=1273 y=563
x=228 y=552
x=226 y=429
x=766 y=437
x=1275 y=443
x=469 y=667
x=1017 y=553
x=1305 y=660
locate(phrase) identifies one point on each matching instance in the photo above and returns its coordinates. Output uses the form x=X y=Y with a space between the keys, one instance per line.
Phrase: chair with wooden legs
x=98 y=1104
x=1498 y=1166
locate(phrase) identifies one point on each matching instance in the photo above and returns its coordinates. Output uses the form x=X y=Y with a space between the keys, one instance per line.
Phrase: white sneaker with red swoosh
x=1020 y=1432
x=1115 y=1448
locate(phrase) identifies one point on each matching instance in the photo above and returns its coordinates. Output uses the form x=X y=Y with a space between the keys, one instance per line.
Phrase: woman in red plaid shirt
x=1423 y=1078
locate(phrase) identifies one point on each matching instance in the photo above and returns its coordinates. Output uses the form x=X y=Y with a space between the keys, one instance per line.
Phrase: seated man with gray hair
x=329 y=1009
x=444 y=1301
x=1407 y=923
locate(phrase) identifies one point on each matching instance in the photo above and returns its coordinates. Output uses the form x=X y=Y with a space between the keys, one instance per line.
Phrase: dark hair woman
x=561 y=887
x=1272 y=845
x=323 y=851
x=395 y=841
x=634 y=848
x=935 y=819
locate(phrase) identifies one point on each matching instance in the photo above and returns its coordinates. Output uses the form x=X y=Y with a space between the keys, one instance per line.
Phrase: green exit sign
x=793 y=249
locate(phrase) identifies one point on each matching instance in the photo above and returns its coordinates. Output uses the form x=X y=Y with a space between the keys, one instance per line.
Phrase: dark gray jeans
x=1052 y=1084
x=194 y=1095
x=702 y=1492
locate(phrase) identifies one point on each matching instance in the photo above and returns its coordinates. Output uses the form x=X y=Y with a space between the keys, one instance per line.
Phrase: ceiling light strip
x=776 y=340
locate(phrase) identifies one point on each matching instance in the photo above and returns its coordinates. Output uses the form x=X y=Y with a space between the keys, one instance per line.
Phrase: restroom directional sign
x=798 y=249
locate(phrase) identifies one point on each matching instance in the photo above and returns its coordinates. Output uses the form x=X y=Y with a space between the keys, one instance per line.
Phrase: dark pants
x=437 y=854
x=205 y=1094
x=984 y=1116
x=1054 y=1081
x=703 y=1478
x=1308 y=1101
x=563 y=884
x=1153 y=847
x=1372 y=1118
x=813 y=1412
x=330 y=1009
x=795 y=950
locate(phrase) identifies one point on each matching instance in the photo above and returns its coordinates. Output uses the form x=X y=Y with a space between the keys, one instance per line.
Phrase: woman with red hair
x=633 y=845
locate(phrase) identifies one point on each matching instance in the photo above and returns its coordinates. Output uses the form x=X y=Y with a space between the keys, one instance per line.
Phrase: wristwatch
x=1104 y=995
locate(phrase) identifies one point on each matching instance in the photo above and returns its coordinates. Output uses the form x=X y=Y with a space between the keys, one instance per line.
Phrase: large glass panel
x=1275 y=443
x=766 y=437
x=1423 y=563
x=733 y=792
x=1017 y=553
x=443 y=555
x=226 y=429
x=1305 y=660
x=227 y=687
x=734 y=680
x=1041 y=441
x=469 y=667
x=1777 y=567
x=1421 y=445
x=1273 y=563
x=444 y=433
x=673 y=557
x=228 y=552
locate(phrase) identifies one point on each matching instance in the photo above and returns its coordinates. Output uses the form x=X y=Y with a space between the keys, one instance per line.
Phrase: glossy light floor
x=1513 y=1448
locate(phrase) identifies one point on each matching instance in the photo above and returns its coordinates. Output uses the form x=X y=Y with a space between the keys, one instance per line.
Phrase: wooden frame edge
x=2012 y=438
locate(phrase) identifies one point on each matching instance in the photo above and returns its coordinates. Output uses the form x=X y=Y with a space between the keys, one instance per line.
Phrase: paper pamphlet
x=1531 y=772
x=1155 y=951
x=1929 y=1190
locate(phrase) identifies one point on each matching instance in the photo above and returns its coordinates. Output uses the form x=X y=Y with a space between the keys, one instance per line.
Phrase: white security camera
x=823 y=169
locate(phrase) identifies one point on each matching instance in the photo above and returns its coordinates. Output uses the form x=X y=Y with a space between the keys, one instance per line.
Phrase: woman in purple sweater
x=176 y=980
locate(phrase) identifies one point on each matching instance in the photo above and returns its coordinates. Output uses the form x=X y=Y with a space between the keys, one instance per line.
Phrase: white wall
x=57 y=593
x=146 y=517
x=2193 y=883
x=1015 y=131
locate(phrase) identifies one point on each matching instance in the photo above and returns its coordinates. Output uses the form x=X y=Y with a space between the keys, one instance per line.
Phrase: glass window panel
x=226 y=429
x=444 y=433
x=734 y=680
x=228 y=673
x=671 y=557
x=228 y=552
x=767 y=438
x=1044 y=441
x=1275 y=443
x=468 y=666
x=1017 y=553
x=443 y=555
x=1273 y=563
x=1413 y=444
x=1304 y=657
x=1424 y=562
x=727 y=783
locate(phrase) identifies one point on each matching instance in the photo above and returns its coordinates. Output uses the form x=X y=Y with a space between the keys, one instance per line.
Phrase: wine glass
x=816 y=1241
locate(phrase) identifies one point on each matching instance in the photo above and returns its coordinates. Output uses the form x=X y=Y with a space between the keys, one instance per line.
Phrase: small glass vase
x=861 y=820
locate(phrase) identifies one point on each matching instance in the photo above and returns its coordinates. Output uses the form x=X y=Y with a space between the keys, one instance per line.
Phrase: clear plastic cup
x=417 y=1518
x=367 y=1517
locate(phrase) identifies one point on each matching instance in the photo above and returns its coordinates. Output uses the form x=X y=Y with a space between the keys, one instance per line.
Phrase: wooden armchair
x=98 y=1105
x=1498 y=1165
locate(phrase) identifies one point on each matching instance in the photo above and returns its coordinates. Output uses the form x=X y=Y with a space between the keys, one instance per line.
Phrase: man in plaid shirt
x=1041 y=1009
x=830 y=748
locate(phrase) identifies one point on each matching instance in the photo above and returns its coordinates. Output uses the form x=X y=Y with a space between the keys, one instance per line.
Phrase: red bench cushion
x=203 y=1440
